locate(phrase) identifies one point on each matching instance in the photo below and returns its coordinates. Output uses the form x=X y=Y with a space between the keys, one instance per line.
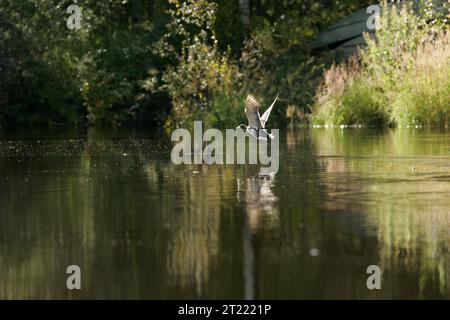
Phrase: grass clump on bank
x=401 y=78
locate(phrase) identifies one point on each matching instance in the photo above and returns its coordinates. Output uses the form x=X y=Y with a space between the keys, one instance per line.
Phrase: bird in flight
x=256 y=123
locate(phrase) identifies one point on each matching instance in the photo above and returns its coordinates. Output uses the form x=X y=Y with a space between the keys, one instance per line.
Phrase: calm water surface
x=141 y=227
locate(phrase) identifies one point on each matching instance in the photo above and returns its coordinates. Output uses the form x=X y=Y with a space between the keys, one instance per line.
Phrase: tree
x=244 y=6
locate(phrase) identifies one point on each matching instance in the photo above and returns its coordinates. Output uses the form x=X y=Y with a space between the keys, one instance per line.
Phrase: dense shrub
x=54 y=75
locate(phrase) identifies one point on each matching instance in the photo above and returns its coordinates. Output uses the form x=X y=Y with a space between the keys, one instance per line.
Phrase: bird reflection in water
x=256 y=193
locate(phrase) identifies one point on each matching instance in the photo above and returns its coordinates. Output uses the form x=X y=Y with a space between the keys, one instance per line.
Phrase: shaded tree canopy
x=122 y=64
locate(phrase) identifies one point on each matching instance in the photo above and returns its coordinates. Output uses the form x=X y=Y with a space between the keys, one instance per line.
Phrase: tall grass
x=423 y=97
x=400 y=78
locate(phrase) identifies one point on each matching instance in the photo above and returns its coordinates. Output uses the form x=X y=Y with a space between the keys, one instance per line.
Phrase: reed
x=400 y=78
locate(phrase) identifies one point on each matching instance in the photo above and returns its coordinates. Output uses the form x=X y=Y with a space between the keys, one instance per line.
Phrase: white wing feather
x=266 y=114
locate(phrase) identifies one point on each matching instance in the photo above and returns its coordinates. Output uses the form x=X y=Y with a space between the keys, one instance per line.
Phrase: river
x=141 y=227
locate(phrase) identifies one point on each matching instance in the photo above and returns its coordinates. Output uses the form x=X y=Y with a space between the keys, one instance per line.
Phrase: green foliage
x=402 y=77
x=202 y=87
x=201 y=79
x=51 y=74
x=208 y=81
x=33 y=67
x=166 y=61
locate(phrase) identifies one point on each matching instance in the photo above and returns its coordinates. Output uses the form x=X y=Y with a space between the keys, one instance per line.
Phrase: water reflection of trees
x=140 y=227
x=285 y=269
x=399 y=179
x=137 y=225
x=38 y=219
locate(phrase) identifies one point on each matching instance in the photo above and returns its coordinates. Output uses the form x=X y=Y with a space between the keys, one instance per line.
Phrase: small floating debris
x=125 y=154
x=314 y=252
x=195 y=172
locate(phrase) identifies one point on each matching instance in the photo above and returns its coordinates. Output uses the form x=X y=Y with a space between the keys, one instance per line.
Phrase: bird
x=256 y=123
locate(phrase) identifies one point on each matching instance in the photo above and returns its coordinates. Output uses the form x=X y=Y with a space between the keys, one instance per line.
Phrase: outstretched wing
x=266 y=114
x=252 y=112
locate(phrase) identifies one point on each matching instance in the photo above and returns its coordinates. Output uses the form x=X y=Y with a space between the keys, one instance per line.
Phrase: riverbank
x=400 y=79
